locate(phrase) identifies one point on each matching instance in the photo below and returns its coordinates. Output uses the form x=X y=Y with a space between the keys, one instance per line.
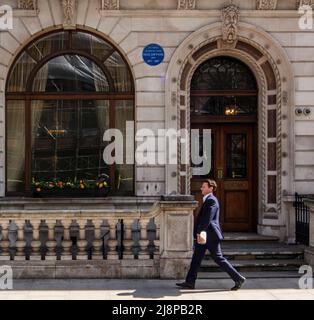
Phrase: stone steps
x=252 y=275
x=255 y=265
x=261 y=251
x=247 y=237
x=254 y=254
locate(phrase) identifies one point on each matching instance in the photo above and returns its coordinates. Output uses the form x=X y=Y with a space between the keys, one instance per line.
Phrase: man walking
x=208 y=222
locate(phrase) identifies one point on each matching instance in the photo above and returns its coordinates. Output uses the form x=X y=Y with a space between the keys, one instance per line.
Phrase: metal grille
x=302 y=220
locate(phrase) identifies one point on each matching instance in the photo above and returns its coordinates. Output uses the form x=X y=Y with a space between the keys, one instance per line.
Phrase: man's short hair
x=211 y=183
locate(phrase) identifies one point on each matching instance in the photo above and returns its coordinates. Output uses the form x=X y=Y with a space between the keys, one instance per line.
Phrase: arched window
x=64 y=91
x=224 y=96
x=223 y=87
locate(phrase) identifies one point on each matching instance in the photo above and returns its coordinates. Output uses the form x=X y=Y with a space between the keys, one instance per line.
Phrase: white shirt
x=206 y=196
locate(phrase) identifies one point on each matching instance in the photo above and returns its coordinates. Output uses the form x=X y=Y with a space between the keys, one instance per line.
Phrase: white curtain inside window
x=16 y=145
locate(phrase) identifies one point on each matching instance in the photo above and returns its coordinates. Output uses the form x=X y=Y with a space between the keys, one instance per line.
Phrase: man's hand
x=198 y=240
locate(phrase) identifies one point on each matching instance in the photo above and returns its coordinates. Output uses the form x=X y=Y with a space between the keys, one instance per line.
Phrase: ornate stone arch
x=274 y=76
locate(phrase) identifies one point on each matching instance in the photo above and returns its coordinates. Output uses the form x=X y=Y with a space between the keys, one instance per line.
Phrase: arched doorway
x=63 y=92
x=224 y=99
x=274 y=75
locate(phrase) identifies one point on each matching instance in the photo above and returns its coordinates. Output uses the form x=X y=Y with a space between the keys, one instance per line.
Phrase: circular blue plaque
x=153 y=54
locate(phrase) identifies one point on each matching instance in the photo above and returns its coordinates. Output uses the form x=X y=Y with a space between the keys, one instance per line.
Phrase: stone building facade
x=263 y=35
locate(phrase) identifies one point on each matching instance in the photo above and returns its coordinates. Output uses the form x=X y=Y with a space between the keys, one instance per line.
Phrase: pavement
x=207 y=289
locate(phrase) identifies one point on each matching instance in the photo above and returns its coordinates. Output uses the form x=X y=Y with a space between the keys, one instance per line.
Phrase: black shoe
x=186 y=285
x=238 y=284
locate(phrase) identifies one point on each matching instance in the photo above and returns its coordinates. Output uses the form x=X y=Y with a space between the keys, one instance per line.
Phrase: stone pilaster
x=309 y=252
x=176 y=238
x=310 y=204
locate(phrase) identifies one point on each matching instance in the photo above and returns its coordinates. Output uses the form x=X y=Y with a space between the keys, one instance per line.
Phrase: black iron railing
x=302 y=220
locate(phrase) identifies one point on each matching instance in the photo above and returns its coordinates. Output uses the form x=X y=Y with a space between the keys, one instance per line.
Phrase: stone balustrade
x=114 y=239
x=71 y=238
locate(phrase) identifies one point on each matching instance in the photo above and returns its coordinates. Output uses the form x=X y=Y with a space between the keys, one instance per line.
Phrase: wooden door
x=235 y=171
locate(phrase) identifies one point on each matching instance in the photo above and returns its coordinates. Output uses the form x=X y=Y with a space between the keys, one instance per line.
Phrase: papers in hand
x=202 y=237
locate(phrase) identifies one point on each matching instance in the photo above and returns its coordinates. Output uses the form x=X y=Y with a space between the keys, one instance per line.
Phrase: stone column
x=176 y=235
x=309 y=252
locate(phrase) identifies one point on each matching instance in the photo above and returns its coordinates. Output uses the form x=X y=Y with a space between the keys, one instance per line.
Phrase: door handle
x=234 y=175
x=220 y=174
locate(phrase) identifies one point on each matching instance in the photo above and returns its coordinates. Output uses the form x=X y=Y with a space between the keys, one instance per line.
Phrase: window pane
x=67 y=141
x=15 y=146
x=223 y=73
x=50 y=44
x=91 y=44
x=236 y=156
x=125 y=172
x=224 y=106
x=20 y=73
x=70 y=73
x=119 y=72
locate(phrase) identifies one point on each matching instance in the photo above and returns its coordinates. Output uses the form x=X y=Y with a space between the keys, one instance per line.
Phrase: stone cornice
x=25 y=13
x=200 y=13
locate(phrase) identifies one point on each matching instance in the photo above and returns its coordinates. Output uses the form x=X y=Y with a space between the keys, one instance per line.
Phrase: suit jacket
x=208 y=220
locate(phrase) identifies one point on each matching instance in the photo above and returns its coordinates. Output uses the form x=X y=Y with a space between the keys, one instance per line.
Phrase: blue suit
x=208 y=221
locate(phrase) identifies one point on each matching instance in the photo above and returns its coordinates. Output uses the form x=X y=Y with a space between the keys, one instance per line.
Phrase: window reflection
x=223 y=73
x=236 y=156
x=67 y=139
x=219 y=106
x=70 y=73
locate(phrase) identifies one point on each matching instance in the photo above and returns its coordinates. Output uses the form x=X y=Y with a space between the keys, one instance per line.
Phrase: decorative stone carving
x=266 y=4
x=305 y=3
x=186 y=4
x=69 y=8
x=110 y=4
x=230 y=19
x=27 y=4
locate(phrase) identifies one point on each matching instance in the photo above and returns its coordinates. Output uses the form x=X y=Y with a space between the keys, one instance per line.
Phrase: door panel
x=233 y=169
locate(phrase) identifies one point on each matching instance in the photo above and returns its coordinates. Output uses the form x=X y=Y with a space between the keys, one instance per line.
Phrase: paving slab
x=101 y=289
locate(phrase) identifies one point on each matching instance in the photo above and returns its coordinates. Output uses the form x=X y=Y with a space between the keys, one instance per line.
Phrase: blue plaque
x=153 y=54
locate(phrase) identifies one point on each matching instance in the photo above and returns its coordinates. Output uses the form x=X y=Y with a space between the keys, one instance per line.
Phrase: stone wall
x=131 y=31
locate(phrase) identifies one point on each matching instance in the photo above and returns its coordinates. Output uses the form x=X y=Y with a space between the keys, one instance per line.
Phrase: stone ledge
x=25 y=13
x=178 y=198
x=90 y=205
x=309 y=200
x=309 y=256
x=105 y=269
x=197 y=13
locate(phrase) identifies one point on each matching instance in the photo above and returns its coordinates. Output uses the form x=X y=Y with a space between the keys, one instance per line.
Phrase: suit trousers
x=216 y=253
